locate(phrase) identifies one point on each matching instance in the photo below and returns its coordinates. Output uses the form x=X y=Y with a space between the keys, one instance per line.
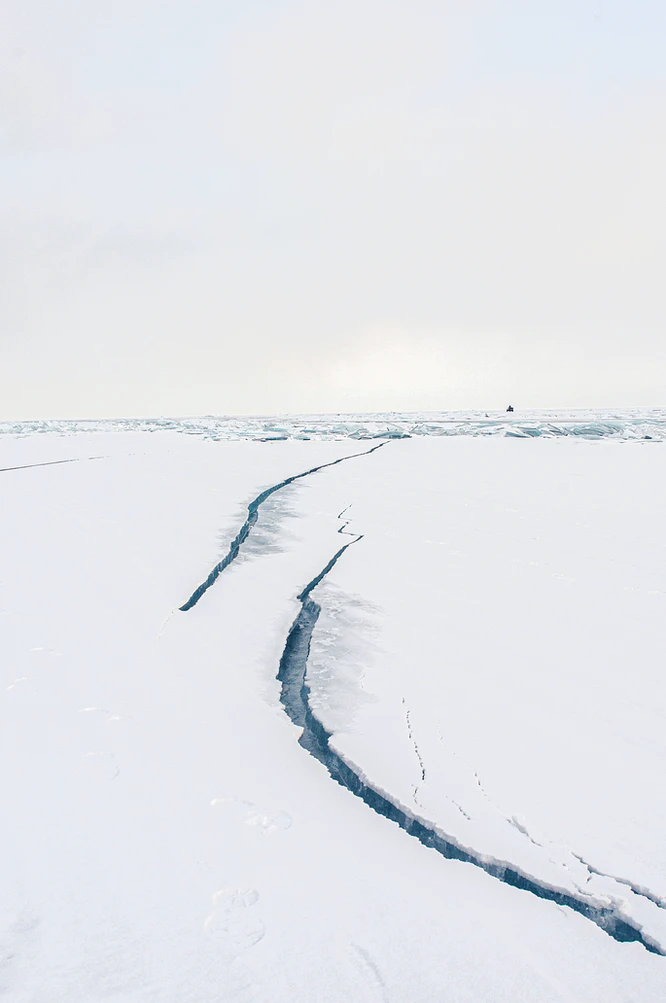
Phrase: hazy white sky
x=257 y=206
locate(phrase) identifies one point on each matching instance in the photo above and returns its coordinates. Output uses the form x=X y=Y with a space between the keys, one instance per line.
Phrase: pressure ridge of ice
x=636 y=423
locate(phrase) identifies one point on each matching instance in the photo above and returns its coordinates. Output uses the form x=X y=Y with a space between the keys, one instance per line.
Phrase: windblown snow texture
x=252 y=516
x=295 y=698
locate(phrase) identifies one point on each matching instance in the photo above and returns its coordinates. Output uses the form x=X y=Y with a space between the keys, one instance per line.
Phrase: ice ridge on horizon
x=628 y=424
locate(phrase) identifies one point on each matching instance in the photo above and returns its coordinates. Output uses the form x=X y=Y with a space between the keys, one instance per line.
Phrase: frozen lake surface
x=452 y=792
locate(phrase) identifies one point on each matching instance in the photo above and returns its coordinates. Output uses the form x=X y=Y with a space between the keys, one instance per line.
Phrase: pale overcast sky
x=259 y=206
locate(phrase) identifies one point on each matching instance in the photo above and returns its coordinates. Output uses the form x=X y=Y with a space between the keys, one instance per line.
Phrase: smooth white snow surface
x=489 y=654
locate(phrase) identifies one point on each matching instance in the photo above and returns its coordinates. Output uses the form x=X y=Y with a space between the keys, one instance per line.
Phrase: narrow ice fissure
x=343 y=528
x=408 y=719
x=370 y=966
x=422 y=770
x=52 y=463
x=252 y=516
x=315 y=739
x=638 y=890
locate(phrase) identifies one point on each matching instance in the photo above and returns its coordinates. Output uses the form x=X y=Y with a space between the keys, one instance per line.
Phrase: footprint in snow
x=24 y=685
x=233 y=924
x=31 y=685
x=250 y=814
x=106 y=714
x=99 y=766
x=267 y=823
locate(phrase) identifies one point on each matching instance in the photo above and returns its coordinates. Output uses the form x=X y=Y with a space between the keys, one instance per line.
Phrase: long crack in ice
x=51 y=463
x=315 y=739
x=252 y=516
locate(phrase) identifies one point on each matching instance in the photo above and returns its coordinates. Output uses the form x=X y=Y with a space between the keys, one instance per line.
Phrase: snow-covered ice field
x=485 y=665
